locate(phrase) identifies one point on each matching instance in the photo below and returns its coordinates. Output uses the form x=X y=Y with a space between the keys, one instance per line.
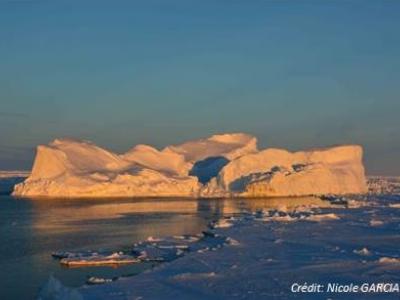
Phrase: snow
x=375 y=222
x=223 y=223
x=152 y=249
x=276 y=172
x=230 y=146
x=322 y=217
x=256 y=258
x=117 y=258
x=364 y=252
x=98 y=280
x=164 y=161
x=295 y=215
x=194 y=276
x=224 y=165
x=384 y=185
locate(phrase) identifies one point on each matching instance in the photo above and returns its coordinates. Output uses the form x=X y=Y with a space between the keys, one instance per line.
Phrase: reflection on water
x=31 y=229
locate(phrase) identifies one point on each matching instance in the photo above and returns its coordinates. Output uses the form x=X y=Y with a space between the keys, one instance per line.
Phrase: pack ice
x=226 y=165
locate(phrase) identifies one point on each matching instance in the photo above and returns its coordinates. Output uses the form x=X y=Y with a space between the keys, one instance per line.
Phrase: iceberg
x=224 y=165
x=277 y=172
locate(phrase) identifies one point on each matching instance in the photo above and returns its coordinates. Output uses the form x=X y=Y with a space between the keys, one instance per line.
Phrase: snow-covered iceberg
x=277 y=172
x=222 y=165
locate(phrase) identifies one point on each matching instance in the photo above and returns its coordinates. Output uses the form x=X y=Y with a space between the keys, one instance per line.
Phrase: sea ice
x=259 y=260
x=364 y=251
x=389 y=260
x=117 y=258
x=375 y=222
x=98 y=280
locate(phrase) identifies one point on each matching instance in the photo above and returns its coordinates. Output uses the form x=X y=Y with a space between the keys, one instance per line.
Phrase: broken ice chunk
x=116 y=258
x=99 y=280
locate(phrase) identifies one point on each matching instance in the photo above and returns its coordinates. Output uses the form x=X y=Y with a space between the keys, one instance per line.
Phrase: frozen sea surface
x=32 y=229
x=269 y=244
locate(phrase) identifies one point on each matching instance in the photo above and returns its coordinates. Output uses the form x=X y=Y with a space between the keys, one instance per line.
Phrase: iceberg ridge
x=226 y=165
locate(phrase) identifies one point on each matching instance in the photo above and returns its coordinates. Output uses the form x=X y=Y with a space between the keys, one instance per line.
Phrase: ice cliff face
x=275 y=172
x=223 y=165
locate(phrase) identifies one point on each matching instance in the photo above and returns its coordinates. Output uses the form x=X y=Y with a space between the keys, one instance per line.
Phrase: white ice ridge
x=228 y=165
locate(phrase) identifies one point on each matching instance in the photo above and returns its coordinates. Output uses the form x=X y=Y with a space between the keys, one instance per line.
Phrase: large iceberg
x=226 y=165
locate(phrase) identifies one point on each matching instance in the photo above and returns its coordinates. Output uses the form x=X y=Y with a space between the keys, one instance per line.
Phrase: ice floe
x=151 y=250
x=375 y=222
x=99 y=280
x=296 y=215
x=117 y=258
x=194 y=276
x=223 y=223
x=322 y=217
x=364 y=252
x=389 y=260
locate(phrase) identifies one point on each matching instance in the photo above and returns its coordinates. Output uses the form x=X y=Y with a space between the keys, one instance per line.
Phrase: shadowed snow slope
x=165 y=160
x=227 y=165
x=230 y=146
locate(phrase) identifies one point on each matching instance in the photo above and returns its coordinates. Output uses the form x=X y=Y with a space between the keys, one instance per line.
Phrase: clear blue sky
x=297 y=74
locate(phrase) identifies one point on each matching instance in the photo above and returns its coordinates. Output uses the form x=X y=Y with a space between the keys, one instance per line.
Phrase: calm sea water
x=30 y=230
